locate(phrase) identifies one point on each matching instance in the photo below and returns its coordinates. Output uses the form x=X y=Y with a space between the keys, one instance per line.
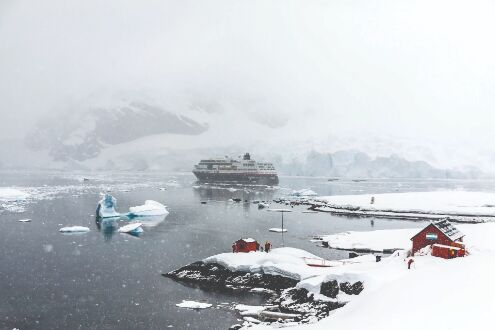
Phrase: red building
x=246 y=245
x=441 y=233
x=447 y=252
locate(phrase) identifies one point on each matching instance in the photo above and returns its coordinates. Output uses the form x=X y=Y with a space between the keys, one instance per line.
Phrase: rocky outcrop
x=287 y=303
x=218 y=278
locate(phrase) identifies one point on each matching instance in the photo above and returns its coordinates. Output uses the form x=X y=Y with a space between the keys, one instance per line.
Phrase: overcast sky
x=417 y=69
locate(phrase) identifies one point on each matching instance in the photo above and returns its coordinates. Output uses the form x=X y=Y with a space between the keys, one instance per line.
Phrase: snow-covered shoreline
x=325 y=297
x=457 y=206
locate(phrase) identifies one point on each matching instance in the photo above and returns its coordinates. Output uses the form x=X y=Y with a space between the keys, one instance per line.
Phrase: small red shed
x=441 y=233
x=246 y=245
x=446 y=251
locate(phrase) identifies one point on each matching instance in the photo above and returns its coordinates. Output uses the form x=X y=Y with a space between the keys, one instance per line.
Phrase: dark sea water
x=107 y=280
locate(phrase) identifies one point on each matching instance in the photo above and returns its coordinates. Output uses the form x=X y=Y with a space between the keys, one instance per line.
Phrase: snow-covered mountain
x=138 y=134
x=82 y=135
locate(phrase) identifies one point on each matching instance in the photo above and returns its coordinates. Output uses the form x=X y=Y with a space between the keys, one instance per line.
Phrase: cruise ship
x=230 y=170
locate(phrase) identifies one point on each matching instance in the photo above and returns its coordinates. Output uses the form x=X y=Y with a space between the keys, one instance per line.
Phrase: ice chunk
x=74 y=229
x=133 y=228
x=24 y=220
x=149 y=208
x=193 y=304
x=277 y=230
x=106 y=207
x=304 y=193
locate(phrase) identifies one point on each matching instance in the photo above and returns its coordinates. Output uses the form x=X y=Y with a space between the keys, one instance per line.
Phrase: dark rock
x=300 y=301
x=330 y=289
x=218 y=278
x=352 y=289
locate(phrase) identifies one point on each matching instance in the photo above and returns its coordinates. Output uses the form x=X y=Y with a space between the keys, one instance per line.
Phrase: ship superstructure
x=230 y=170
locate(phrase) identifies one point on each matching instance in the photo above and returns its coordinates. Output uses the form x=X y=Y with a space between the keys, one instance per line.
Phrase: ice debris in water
x=24 y=220
x=12 y=195
x=133 y=228
x=106 y=207
x=304 y=193
x=74 y=229
x=148 y=208
x=193 y=304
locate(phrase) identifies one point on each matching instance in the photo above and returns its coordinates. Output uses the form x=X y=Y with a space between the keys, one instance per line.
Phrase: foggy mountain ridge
x=82 y=135
x=137 y=135
x=355 y=164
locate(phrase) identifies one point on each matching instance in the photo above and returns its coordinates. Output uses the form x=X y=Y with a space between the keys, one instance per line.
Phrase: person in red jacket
x=268 y=246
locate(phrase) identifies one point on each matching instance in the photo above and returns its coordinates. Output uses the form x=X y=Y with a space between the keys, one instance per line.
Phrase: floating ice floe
x=24 y=220
x=133 y=228
x=106 y=207
x=193 y=304
x=277 y=230
x=303 y=193
x=74 y=229
x=149 y=208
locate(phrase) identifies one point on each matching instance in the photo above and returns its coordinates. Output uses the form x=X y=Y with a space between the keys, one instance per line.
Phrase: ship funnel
x=247 y=156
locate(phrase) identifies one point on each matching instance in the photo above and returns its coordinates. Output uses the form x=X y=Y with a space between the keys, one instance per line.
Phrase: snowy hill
x=82 y=135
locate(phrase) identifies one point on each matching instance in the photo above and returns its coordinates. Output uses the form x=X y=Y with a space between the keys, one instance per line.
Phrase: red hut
x=441 y=233
x=246 y=245
x=446 y=251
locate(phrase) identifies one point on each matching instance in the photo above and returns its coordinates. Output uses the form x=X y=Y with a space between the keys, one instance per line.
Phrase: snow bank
x=12 y=195
x=455 y=203
x=149 y=208
x=193 y=304
x=288 y=262
x=74 y=229
x=427 y=297
x=390 y=239
x=435 y=294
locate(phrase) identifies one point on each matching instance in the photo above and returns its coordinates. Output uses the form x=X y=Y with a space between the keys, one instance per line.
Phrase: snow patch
x=193 y=304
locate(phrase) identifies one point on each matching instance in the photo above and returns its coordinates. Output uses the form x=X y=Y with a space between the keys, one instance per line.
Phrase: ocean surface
x=106 y=280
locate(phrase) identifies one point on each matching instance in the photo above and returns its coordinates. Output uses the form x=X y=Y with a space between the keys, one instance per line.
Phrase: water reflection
x=244 y=193
x=108 y=226
x=150 y=220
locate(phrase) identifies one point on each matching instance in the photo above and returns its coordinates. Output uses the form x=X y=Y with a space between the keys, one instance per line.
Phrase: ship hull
x=247 y=178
